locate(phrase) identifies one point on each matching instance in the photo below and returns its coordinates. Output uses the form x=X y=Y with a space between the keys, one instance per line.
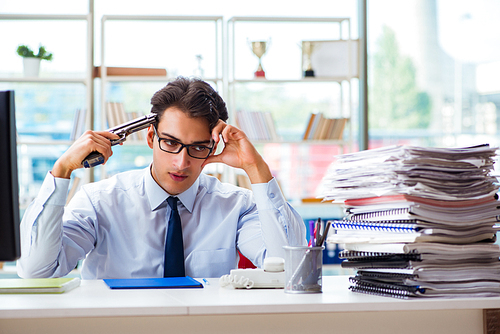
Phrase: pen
x=311 y=233
x=325 y=233
x=206 y=282
x=317 y=232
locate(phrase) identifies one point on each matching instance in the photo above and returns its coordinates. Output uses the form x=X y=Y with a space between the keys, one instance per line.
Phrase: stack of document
x=439 y=173
x=419 y=222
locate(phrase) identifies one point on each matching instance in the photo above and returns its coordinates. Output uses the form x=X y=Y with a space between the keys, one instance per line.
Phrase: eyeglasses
x=173 y=146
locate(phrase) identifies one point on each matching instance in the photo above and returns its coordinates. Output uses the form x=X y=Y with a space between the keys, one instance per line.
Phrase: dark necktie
x=174 y=246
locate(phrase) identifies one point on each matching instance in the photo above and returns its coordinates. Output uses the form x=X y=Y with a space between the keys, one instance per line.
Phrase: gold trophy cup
x=259 y=48
x=307 y=50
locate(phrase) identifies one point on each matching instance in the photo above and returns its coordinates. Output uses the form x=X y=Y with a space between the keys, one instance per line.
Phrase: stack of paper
x=419 y=222
x=440 y=173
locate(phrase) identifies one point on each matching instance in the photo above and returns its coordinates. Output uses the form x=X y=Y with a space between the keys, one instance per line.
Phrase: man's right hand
x=89 y=142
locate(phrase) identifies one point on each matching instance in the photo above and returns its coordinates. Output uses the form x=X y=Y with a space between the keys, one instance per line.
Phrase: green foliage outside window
x=395 y=100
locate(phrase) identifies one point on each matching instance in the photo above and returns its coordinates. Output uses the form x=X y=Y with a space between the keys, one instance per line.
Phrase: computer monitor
x=9 y=186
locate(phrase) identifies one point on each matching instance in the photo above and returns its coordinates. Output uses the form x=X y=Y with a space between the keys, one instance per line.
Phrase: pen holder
x=303 y=269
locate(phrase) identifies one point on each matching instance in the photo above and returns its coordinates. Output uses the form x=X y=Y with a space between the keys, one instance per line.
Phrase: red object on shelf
x=260 y=74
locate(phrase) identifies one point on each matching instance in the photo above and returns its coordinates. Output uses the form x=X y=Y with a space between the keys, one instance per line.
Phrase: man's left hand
x=239 y=152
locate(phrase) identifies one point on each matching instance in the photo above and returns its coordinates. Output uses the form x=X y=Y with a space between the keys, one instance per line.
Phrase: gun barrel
x=142 y=122
x=125 y=129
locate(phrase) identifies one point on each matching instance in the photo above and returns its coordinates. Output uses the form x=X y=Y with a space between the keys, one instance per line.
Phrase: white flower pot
x=31 y=66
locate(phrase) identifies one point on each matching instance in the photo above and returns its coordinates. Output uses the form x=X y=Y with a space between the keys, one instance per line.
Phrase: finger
x=107 y=134
x=217 y=130
x=211 y=159
x=97 y=141
x=231 y=132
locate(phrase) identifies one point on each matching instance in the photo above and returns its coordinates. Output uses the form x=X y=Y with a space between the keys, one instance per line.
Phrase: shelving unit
x=234 y=80
x=223 y=63
x=87 y=80
x=105 y=79
x=217 y=79
x=339 y=30
x=10 y=80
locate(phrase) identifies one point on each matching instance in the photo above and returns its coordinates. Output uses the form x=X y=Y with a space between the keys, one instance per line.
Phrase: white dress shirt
x=119 y=224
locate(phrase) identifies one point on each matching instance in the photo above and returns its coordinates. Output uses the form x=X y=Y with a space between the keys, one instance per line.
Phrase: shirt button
x=271 y=195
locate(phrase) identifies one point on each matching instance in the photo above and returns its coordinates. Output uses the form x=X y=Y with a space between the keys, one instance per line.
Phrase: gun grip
x=93 y=159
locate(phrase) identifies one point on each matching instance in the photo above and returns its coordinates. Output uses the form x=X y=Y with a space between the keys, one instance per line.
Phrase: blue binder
x=153 y=283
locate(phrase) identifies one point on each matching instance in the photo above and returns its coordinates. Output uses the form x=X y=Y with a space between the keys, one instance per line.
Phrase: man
x=120 y=225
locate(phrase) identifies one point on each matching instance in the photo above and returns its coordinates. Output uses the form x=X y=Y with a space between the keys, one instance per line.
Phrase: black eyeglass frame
x=210 y=149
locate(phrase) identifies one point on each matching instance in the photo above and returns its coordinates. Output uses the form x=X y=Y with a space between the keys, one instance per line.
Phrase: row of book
x=320 y=127
x=257 y=125
x=116 y=115
x=420 y=222
x=79 y=124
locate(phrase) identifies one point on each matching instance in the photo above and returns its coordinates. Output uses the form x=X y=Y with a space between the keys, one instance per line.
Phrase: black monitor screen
x=9 y=194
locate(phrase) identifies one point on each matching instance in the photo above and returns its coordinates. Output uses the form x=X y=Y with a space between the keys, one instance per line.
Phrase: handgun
x=95 y=158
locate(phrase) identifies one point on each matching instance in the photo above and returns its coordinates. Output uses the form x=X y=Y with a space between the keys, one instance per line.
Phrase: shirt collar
x=157 y=195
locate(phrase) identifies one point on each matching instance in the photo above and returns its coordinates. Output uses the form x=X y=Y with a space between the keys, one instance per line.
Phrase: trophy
x=199 y=72
x=307 y=50
x=259 y=48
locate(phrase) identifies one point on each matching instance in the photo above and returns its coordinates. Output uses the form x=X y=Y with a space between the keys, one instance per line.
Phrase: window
x=433 y=68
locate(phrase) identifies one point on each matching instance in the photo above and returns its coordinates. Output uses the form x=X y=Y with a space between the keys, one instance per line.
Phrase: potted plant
x=31 y=61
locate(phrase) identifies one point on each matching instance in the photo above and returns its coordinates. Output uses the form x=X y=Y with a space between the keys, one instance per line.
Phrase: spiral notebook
x=488 y=212
x=477 y=288
x=480 y=249
x=457 y=273
x=348 y=231
x=401 y=226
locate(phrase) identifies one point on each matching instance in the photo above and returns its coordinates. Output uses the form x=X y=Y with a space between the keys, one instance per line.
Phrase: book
x=314 y=126
x=382 y=238
x=153 y=283
x=309 y=126
x=446 y=258
x=410 y=276
x=38 y=285
x=338 y=128
x=321 y=130
x=320 y=127
x=257 y=125
x=391 y=231
x=404 y=198
x=111 y=116
x=417 y=289
x=415 y=261
x=482 y=249
x=477 y=215
x=130 y=71
x=116 y=115
x=78 y=124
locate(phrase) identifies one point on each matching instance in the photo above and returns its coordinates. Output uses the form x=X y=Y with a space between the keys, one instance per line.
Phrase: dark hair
x=192 y=96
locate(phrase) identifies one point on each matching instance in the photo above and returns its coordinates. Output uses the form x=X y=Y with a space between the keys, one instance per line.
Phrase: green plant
x=25 y=52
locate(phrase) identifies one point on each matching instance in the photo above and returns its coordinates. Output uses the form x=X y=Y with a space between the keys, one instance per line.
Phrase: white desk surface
x=93 y=299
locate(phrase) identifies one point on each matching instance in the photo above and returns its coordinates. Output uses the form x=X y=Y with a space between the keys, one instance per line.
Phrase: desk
x=94 y=308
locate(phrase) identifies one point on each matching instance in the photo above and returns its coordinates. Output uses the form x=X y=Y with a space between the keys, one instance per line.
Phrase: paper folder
x=153 y=283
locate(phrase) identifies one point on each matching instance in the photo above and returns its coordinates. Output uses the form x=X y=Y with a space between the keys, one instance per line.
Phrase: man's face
x=175 y=173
